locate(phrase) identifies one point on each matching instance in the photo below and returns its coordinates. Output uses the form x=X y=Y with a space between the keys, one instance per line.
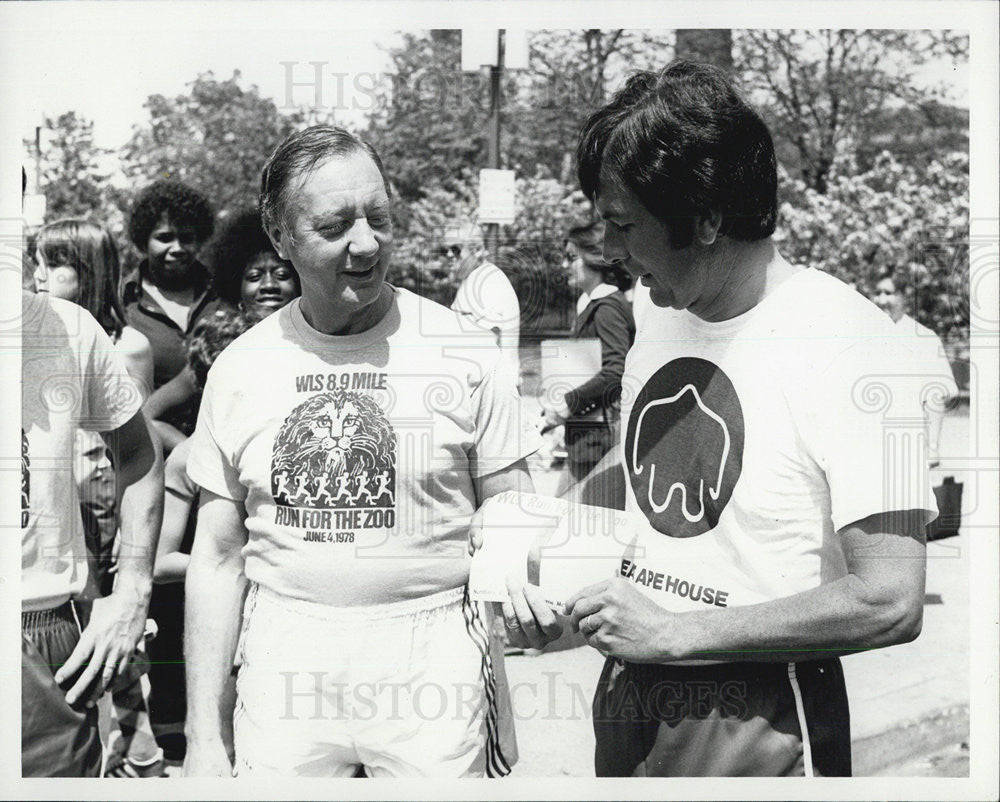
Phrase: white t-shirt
x=939 y=381
x=355 y=455
x=72 y=376
x=748 y=443
x=487 y=300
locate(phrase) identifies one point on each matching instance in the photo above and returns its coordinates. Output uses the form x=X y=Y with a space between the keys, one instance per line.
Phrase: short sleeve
x=210 y=463
x=864 y=426
x=502 y=433
x=111 y=397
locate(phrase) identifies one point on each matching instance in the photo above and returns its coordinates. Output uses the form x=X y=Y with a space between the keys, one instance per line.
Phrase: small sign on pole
x=496 y=196
x=479 y=48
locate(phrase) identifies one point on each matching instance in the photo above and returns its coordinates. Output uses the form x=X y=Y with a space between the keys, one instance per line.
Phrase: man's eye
x=282 y=274
x=334 y=229
x=251 y=275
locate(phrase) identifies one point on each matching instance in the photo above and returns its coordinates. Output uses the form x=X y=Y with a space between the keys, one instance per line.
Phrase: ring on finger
x=512 y=623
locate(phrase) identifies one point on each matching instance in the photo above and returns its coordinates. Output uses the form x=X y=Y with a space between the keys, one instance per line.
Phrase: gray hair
x=301 y=153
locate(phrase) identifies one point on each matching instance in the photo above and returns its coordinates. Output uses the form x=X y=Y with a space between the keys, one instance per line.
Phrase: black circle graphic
x=684 y=446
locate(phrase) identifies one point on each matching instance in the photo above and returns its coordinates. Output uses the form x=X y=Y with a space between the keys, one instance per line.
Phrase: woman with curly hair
x=170 y=290
x=248 y=276
x=590 y=411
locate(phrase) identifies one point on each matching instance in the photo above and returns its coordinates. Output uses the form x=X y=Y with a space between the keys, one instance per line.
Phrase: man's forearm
x=214 y=592
x=839 y=618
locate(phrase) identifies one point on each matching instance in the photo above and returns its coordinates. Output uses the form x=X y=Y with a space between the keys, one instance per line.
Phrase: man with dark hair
x=777 y=513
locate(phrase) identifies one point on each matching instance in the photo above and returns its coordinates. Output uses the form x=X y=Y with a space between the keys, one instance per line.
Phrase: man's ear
x=706 y=228
x=279 y=240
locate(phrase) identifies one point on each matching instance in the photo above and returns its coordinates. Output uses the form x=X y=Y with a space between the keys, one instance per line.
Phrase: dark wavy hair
x=686 y=143
x=240 y=238
x=184 y=206
x=90 y=250
x=211 y=335
x=589 y=242
x=300 y=153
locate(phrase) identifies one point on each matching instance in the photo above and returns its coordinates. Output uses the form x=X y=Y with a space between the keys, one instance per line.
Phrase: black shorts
x=56 y=740
x=727 y=720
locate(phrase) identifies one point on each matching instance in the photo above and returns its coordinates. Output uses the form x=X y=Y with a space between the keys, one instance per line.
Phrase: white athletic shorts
x=401 y=690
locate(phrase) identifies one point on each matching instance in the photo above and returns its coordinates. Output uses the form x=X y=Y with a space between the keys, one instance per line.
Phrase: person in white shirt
x=343 y=446
x=940 y=389
x=485 y=297
x=776 y=486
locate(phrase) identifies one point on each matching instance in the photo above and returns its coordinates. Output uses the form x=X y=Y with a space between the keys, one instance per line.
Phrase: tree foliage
x=893 y=218
x=825 y=91
x=216 y=136
x=71 y=177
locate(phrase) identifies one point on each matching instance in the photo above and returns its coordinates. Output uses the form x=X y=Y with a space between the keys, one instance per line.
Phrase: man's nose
x=363 y=240
x=268 y=279
x=613 y=250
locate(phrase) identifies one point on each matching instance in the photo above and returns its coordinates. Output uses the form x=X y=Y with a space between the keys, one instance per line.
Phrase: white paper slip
x=560 y=547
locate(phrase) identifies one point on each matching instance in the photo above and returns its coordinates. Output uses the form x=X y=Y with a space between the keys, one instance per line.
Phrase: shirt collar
x=600 y=291
x=132 y=283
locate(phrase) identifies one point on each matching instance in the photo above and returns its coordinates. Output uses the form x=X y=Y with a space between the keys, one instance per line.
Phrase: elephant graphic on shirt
x=683 y=487
x=684 y=446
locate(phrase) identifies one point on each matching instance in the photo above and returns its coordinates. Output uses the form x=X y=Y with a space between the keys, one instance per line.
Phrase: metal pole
x=496 y=75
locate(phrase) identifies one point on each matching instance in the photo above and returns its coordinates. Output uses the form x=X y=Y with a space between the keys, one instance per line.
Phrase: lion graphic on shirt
x=331 y=436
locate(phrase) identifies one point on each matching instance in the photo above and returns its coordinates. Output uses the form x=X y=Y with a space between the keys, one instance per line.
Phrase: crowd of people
x=278 y=457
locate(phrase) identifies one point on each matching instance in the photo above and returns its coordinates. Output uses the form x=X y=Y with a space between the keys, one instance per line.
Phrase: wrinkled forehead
x=339 y=184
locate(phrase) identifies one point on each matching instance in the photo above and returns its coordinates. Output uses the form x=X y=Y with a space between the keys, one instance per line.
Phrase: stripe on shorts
x=800 y=711
x=496 y=764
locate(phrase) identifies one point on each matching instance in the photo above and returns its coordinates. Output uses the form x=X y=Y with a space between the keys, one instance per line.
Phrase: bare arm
x=138 y=354
x=171 y=563
x=117 y=621
x=175 y=392
x=213 y=615
x=878 y=603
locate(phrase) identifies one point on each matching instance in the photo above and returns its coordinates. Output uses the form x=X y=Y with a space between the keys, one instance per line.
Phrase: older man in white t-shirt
x=485 y=297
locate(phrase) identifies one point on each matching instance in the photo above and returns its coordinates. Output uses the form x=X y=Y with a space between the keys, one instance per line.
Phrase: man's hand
x=106 y=645
x=619 y=621
x=207 y=759
x=529 y=620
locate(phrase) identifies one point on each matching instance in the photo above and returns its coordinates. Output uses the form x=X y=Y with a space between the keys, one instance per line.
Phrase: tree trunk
x=711 y=45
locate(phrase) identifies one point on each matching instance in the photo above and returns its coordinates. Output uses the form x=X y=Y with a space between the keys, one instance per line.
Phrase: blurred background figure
x=167 y=703
x=485 y=296
x=81 y=265
x=590 y=411
x=247 y=276
x=78 y=261
x=926 y=343
x=169 y=291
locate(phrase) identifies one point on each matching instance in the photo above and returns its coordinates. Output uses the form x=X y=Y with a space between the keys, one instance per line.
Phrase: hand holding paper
x=548 y=542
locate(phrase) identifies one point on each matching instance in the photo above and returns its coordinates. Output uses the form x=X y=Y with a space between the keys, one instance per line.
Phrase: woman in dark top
x=247 y=276
x=169 y=292
x=590 y=410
